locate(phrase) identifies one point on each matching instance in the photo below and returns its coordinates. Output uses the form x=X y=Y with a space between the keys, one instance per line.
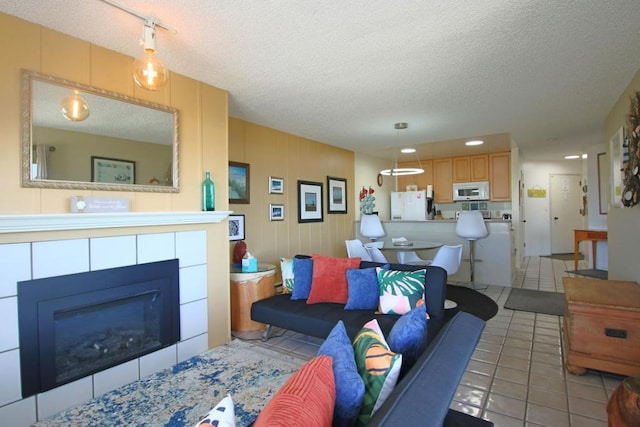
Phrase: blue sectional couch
x=423 y=395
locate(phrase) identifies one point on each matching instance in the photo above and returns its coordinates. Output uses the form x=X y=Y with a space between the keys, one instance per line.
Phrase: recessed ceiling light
x=571 y=157
x=474 y=142
x=585 y=156
x=408 y=150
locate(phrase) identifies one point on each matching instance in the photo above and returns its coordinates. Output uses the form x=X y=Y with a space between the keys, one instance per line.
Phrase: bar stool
x=470 y=226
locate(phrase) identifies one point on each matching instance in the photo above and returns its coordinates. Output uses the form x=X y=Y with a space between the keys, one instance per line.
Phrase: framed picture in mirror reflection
x=114 y=171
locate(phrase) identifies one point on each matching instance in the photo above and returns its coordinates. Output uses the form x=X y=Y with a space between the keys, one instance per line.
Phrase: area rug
x=563 y=257
x=471 y=301
x=536 y=301
x=184 y=394
x=596 y=274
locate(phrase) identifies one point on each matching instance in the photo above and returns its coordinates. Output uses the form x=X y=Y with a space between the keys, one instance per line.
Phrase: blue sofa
x=423 y=395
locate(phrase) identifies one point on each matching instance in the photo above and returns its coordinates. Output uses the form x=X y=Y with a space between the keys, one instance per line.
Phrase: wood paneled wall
x=273 y=153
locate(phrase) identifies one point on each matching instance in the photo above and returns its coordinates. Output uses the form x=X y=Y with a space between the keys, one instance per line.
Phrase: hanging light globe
x=148 y=70
x=75 y=108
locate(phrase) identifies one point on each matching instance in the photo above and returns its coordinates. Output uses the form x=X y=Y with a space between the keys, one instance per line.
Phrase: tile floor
x=516 y=375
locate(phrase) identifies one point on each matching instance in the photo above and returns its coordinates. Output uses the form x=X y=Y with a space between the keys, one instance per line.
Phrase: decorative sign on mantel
x=81 y=204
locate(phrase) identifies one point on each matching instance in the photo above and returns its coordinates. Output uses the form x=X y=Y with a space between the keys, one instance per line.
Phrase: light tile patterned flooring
x=516 y=375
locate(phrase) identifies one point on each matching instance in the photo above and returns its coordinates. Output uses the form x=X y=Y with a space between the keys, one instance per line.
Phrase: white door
x=565 y=204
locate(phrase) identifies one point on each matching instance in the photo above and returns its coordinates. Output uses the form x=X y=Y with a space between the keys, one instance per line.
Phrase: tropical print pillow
x=400 y=291
x=286 y=267
x=378 y=366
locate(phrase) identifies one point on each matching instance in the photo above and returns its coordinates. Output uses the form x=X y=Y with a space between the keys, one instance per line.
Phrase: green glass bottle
x=208 y=193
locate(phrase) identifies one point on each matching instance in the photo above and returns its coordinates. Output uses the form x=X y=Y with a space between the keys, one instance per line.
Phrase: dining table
x=401 y=249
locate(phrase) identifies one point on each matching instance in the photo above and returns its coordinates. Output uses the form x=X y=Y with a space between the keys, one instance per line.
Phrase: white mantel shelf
x=80 y=221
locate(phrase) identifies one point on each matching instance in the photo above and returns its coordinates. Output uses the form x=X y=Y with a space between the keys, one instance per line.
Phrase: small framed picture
x=239 y=182
x=115 y=171
x=276 y=212
x=276 y=185
x=309 y=201
x=236 y=227
x=336 y=195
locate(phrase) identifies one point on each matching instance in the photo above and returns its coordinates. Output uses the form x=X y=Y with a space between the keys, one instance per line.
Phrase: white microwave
x=471 y=191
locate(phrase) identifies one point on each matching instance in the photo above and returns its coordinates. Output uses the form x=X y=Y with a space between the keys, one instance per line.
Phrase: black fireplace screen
x=75 y=325
x=90 y=338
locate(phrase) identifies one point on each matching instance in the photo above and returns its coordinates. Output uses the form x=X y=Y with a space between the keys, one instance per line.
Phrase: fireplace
x=75 y=325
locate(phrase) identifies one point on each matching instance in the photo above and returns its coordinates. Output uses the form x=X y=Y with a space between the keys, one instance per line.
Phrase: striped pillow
x=306 y=399
x=378 y=366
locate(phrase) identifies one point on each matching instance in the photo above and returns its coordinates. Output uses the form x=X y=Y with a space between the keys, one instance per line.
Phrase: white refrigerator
x=409 y=205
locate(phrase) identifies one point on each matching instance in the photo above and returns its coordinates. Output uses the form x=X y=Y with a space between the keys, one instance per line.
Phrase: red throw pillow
x=329 y=282
x=306 y=399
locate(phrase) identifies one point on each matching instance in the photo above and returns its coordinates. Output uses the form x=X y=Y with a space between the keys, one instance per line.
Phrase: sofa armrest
x=427 y=390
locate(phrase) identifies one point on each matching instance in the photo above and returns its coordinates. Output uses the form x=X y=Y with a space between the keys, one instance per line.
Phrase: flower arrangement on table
x=367 y=201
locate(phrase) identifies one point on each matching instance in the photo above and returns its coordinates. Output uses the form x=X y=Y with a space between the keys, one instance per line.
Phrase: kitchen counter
x=494 y=263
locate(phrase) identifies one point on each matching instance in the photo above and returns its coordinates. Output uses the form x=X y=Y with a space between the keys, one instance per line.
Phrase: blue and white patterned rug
x=184 y=394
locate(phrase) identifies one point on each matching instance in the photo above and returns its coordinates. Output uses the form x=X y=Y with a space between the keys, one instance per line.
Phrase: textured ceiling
x=545 y=73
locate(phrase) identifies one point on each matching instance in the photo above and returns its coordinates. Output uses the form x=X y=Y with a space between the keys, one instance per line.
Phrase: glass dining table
x=401 y=249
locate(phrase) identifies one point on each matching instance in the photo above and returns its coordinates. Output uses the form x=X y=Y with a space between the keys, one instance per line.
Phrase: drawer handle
x=615 y=333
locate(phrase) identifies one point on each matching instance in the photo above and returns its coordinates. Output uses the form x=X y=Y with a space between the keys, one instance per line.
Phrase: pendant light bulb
x=75 y=108
x=148 y=70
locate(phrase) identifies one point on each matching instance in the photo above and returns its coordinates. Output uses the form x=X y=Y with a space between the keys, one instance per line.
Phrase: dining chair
x=376 y=254
x=355 y=248
x=411 y=257
x=449 y=258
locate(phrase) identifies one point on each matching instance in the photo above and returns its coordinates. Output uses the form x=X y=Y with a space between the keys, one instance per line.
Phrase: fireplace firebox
x=75 y=325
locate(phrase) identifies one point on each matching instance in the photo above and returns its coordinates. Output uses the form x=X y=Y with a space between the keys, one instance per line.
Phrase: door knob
x=555 y=218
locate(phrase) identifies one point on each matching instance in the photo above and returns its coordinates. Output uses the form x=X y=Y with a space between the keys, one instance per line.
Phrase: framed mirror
x=66 y=126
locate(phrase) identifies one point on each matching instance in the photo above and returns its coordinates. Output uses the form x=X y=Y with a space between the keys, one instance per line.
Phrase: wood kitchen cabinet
x=443 y=180
x=421 y=180
x=471 y=168
x=500 y=177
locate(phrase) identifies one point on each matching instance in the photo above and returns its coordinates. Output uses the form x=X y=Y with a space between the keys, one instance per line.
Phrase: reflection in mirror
x=137 y=139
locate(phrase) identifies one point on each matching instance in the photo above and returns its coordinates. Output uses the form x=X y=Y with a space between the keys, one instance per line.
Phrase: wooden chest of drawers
x=602 y=326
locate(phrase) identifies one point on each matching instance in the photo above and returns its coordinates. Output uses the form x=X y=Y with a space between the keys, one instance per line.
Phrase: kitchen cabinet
x=471 y=168
x=443 y=180
x=500 y=177
x=421 y=180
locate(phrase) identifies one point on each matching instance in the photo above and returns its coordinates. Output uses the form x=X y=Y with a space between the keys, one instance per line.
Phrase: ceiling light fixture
x=408 y=150
x=474 y=142
x=148 y=70
x=402 y=171
x=75 y=108
x=572 y=156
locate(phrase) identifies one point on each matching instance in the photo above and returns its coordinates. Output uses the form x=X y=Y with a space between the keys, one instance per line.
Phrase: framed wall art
x=114 y=171
x=336 y=195
x=236 y=227
x=276 y=185
x=276 y=212
x=310 y=201
x=239 y=183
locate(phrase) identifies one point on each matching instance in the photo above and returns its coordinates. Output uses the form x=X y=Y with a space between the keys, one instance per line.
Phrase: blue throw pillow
x=349 y=384
x=302 y=277
x=409 y=334
x=363 y=288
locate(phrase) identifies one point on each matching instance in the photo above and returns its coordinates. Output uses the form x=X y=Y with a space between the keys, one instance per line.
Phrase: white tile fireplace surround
x=34 y=260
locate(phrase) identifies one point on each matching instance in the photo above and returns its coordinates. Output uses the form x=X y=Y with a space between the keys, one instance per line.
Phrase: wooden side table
x=594 y=236
x=602 y=325
x=246 y=288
